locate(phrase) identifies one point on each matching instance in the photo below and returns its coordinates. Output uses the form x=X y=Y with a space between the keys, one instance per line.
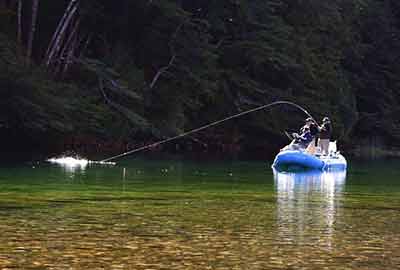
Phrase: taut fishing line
x=206 y=126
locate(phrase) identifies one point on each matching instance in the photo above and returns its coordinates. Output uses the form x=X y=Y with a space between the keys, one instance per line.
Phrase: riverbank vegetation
x=88 y=73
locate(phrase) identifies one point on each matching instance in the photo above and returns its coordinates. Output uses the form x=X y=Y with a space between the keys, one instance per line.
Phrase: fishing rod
x=207 y=126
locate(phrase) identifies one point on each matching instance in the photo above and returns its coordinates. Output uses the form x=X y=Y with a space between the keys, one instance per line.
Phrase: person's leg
x=324 y=146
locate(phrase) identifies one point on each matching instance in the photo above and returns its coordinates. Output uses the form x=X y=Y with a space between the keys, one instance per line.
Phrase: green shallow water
x=185 y=215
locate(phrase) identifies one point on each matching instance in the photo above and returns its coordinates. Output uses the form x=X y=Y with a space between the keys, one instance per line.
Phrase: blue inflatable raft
x=290 y=160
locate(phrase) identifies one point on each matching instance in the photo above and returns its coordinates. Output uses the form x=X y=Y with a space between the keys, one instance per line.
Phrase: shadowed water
x=181 y=215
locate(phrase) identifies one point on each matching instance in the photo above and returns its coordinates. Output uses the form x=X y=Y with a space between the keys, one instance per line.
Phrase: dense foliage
x=134 y=69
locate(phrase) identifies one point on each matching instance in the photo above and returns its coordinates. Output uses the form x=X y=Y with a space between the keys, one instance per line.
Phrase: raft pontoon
x=288 y=160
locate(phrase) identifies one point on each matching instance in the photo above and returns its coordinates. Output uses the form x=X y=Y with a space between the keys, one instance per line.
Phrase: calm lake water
x=186 y=215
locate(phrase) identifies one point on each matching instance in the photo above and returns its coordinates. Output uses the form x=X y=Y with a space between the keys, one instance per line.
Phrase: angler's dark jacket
x=325 y=131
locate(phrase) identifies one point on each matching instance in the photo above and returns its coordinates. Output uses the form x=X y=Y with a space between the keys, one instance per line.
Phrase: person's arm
x=305 y=137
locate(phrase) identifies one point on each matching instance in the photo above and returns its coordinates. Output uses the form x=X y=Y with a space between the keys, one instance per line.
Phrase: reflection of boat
x=314 y=180
x=308 y=206
x=288 y=160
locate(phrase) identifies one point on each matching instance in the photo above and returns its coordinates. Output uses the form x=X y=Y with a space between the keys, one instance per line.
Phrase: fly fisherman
x=306 y=138
x=325 y=132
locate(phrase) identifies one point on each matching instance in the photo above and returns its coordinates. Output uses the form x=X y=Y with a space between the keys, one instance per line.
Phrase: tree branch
x=101 y=88
x=161 y=71
x=164 y=69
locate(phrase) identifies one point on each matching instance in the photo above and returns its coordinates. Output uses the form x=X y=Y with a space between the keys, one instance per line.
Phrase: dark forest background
x=104 y=76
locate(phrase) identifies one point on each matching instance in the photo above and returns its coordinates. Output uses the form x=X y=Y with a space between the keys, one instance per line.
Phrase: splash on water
x=71 y=162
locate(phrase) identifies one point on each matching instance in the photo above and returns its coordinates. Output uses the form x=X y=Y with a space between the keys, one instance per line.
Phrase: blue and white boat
x=289 y=160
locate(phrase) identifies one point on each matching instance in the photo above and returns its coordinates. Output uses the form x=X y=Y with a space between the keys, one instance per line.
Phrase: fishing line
x=207 y=126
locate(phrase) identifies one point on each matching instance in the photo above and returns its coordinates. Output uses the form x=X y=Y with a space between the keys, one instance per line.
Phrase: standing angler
x=325 y=133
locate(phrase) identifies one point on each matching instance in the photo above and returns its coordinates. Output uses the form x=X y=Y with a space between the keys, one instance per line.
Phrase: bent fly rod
x=207 y=126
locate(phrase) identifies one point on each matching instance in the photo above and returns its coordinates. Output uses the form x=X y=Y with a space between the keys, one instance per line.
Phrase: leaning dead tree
x=65 y=42
x=64 y=35
x=65 y=56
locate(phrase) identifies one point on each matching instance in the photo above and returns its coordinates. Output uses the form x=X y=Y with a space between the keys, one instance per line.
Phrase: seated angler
x=305 y=138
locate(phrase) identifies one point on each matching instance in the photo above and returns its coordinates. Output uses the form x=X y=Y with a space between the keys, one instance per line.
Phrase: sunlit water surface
x=181 y=215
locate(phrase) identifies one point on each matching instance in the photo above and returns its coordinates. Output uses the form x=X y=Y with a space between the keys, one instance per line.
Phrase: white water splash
x=70 y=164
x=76 y=162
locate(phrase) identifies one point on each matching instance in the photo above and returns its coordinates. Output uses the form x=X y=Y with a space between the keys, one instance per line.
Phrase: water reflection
x=307 y=205
x=170 y=218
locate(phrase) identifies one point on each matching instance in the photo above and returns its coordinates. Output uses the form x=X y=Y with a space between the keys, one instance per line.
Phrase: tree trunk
x=19 y=33
x=35 y=7
x=58 y=36
x=60 y=24
x=65 y=52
